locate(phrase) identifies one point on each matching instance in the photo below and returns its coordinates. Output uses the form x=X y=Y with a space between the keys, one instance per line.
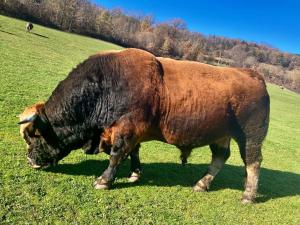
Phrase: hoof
x=200 y=187
x=134 y=177
x=101 y=187
x=246 y=200
x=101 y=184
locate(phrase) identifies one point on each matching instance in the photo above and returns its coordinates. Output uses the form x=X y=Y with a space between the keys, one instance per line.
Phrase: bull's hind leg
x=252 y=157
x=220 y=153
x=250 y=138
x=250 y=151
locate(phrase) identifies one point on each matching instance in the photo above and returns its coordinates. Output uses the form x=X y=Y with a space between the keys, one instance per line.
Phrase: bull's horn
x=28 y=119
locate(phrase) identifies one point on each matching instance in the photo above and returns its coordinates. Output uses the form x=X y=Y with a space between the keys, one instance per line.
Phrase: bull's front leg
x=119 y=151
x=135 y=166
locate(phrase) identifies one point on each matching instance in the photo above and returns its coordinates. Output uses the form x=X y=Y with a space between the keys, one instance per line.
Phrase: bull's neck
x=68 y=133
x=47 y=130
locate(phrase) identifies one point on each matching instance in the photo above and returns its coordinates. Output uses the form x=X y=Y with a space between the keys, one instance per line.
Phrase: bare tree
x=171 y=38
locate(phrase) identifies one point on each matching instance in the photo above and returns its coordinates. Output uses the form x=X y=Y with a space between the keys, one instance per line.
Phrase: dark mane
x=79 y=105
x=98 y=92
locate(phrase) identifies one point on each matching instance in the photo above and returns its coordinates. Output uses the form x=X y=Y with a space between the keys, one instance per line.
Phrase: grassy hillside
x=31 y=64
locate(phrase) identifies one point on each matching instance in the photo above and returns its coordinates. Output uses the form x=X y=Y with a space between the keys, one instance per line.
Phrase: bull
x=116 y=100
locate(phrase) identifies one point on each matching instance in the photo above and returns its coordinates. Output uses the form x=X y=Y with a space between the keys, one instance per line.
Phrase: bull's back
x=198 y=99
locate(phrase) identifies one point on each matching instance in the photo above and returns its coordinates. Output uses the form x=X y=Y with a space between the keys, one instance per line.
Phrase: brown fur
x=194 y=99
x=197 y=97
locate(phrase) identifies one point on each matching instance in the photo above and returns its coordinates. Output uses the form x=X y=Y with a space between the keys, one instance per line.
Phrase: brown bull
x=133 y=97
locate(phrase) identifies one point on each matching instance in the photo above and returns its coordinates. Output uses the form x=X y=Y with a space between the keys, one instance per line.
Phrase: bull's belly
x=194 y=134
x=198 y=141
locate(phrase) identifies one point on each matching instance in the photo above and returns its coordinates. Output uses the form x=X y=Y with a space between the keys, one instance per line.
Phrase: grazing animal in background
x=131 y=96
x=29 y=27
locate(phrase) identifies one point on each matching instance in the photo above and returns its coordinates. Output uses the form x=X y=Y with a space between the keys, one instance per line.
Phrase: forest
x=169 y=39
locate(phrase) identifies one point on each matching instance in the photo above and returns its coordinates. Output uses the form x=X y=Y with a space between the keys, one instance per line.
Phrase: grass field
x=31 y=65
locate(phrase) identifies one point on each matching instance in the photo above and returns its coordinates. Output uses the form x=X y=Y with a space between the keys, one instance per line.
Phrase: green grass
x=31 y=65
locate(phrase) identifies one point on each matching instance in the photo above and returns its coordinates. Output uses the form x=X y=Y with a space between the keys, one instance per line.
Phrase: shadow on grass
x=8 y=32
x=39 y=35
x=273 y=183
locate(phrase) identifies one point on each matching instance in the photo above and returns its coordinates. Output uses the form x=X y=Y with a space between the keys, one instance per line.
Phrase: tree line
x=170 y=39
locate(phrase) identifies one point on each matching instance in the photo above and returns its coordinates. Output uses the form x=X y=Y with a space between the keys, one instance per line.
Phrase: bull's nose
x=32 y=164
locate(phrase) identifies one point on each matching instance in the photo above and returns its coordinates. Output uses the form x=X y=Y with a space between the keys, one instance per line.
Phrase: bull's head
x=43 y=149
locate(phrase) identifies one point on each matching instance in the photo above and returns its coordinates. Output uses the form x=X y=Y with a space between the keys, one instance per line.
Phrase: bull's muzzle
x=36 y=166
x=33 y=164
